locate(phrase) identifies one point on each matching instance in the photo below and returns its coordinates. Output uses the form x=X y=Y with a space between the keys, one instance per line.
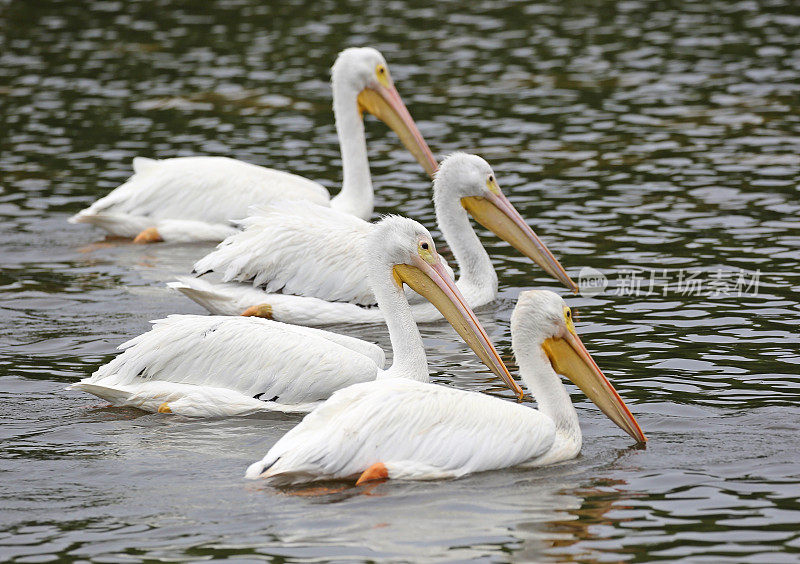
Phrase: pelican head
x=364 y=73
x=403 y=252
x=542 y=319
x=470 y=179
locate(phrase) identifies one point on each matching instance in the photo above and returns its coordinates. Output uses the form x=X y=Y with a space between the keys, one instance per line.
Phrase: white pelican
x=194 y=198
x=213 y=366
x=295 y=250
x=406 y=429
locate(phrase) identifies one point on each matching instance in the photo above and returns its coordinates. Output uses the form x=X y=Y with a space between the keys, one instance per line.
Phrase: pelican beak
x=383 y=102
x=433 y=283
x=570 y=358
x=500 y=217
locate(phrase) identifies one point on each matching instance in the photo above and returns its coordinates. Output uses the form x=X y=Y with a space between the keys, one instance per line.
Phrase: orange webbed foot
x=377 y=471
x=261 y=310
x=149 y=235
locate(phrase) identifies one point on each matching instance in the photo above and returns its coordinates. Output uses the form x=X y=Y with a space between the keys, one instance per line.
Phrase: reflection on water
x=635 y=136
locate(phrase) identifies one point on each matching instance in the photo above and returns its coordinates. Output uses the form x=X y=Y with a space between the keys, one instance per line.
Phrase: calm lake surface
x=658 y=145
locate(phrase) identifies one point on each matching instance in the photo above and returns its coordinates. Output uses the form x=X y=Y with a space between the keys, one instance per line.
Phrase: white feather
x=212 y=190
x=418 y=430
x=233 y=298
x=201 y=355
x=297 y=248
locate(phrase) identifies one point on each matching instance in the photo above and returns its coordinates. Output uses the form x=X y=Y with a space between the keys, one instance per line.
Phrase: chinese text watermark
x=670 y=282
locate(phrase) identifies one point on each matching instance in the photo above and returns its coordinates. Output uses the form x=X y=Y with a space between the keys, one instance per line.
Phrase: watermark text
x=670 y=281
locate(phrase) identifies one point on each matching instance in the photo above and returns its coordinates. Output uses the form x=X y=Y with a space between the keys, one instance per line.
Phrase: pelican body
x=294 y=251
x=195 y=198
x=215 y=366
x=404 y=429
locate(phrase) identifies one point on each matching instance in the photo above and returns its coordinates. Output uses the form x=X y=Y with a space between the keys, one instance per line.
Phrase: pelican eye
x=425 y=251
x=491 y=184
x=568 y=320
x=383 y=74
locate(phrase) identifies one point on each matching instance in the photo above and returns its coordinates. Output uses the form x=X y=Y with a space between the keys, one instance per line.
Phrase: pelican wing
x=209 y=189
x=300 y=249
x=255 y=358
x=418 y=430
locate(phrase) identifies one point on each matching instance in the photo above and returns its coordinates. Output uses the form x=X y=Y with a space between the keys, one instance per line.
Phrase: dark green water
x=635 y=136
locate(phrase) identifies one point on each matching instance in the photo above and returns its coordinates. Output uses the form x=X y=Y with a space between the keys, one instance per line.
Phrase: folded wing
x=258 y=358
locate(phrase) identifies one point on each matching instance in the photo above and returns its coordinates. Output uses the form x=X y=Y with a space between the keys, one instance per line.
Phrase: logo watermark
x=591 y=282
x=670 y=281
